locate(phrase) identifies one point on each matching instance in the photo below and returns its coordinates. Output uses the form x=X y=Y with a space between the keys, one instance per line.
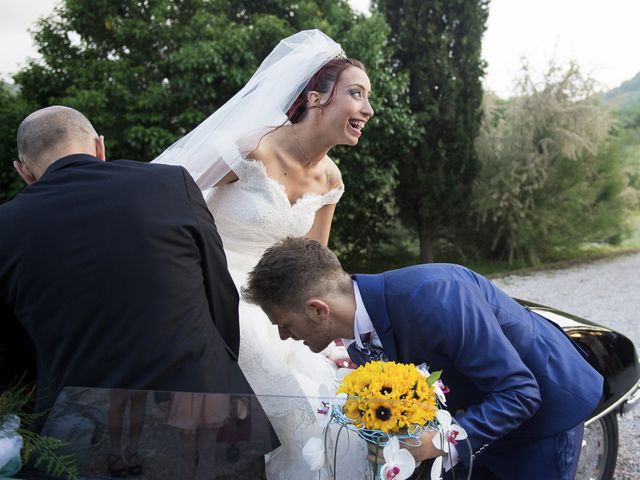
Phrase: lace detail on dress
x=252 y=214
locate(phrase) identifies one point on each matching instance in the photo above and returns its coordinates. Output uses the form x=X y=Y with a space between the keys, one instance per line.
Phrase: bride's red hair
x=323 y=81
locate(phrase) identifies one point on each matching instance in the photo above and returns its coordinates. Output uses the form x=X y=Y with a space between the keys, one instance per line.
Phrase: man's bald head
x=54 y=131
x=50 y=134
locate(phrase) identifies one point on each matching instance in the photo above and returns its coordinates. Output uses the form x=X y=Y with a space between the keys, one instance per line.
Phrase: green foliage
x=13 y=108
x=438 y=43
x=145 y=73
x=364 y=221
x=550 y=177
x=39 y=451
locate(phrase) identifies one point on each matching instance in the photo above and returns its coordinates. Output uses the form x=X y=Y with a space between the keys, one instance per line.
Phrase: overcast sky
x=602 y=35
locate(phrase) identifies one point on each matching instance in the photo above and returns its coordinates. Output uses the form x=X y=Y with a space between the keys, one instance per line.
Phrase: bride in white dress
x=261 y=161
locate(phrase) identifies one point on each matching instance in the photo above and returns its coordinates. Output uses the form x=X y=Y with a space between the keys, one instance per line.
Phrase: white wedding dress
x=252 y=214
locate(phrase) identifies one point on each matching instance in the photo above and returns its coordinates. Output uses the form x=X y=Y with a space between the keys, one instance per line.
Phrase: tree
x=13 y=108
x=147 y=72
x=438 y=42
x=551 y=177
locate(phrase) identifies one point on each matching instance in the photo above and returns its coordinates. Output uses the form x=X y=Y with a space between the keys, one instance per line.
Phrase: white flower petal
x=313 y=453
x=438 y=440
x=436 y=468
x=444 y=419
x=439 y=393
x=405 y=463
x=462 y=433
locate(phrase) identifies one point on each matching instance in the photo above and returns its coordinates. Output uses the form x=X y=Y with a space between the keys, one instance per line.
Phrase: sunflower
x=388 y=396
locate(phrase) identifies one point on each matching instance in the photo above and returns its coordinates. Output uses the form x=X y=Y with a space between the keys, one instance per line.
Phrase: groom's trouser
x=549 y=458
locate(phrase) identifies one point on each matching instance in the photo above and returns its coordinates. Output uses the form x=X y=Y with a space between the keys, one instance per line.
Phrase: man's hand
x=337 y=353
x=424 y=451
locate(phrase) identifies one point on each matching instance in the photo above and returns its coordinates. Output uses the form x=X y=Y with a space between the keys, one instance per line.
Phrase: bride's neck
x=302 y=144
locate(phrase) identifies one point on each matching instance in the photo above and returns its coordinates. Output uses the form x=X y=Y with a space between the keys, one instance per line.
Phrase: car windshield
x=161 y=435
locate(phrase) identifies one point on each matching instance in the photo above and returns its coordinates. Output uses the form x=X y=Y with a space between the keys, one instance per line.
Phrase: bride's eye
x=356 y=93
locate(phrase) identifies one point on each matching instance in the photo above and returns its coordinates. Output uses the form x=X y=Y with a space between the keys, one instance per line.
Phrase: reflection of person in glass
x=125 y=462
x=197 y=417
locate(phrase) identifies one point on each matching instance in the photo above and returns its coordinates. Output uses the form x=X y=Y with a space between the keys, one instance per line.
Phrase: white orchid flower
x=399 y=463
x=447 y=433
x=313 y=453
x=439 y=390
x=423 y=369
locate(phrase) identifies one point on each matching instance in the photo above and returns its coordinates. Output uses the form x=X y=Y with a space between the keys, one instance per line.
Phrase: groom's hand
x=426 y=449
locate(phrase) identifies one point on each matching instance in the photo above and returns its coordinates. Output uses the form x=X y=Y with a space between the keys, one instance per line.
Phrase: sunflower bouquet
x=388 y=404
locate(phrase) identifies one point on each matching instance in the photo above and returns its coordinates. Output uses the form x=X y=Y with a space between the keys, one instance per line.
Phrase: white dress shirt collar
x=362 y=322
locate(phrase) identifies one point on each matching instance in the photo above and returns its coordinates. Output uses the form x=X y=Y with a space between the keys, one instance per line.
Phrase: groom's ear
x=317 y=309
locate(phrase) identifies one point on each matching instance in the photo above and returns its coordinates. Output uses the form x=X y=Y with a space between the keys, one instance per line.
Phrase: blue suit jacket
x=510 y=371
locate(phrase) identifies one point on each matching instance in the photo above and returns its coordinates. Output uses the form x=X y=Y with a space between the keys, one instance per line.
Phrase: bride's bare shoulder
x=334 y=177
x=264 y=152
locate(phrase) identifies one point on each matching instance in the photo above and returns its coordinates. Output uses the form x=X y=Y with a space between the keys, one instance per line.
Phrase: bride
x=262 y=163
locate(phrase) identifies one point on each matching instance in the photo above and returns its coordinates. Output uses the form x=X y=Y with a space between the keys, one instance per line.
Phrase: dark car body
x=615 y=357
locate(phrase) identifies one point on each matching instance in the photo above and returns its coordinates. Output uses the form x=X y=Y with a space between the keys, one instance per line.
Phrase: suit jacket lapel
x=373 y=295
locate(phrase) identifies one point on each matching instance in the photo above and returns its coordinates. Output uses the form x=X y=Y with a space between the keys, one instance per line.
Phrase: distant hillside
x=626 y=96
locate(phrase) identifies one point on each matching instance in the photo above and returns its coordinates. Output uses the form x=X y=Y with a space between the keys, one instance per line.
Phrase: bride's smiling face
x=345 y=116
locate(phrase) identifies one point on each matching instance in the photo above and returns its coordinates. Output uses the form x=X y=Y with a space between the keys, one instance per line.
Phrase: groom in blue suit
x=519 y=386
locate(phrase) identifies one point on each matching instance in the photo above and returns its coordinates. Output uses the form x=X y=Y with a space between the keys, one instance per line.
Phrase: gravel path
x=607 y=292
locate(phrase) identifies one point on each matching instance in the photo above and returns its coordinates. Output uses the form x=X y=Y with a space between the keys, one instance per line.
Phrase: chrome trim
x=632 y=397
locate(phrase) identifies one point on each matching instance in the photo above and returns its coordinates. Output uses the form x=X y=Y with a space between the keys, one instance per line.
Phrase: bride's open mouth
x=356 y=126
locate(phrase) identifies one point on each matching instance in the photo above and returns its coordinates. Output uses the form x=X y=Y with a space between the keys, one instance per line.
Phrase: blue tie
x=368 y=353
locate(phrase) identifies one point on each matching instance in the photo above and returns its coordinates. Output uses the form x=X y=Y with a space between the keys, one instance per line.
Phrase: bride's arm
x=321 y=227
x=228 y=178
x=322 y=224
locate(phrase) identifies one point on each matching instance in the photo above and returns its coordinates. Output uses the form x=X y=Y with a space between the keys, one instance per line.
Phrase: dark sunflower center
x=383 y=413
x=386 y=390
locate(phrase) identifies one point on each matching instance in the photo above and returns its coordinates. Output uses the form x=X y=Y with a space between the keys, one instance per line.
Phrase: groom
x=519 y=386
x=114 y=270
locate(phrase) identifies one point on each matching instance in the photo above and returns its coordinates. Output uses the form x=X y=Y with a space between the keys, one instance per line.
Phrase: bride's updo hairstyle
x=323 y=81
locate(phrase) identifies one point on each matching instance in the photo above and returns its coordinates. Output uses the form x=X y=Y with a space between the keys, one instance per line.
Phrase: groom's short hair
x=291 y=271
x=49 y=127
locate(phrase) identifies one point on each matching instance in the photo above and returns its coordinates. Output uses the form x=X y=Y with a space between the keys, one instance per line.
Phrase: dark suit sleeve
x=221 y=291
x=455 y=320
x=17 y=355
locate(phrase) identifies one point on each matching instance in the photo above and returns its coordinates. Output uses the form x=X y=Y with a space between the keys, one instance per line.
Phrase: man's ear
x=100 y=150
x=25 y=172
x=317 y=309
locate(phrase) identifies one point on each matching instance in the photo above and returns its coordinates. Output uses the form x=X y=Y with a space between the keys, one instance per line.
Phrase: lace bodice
x=254 y=212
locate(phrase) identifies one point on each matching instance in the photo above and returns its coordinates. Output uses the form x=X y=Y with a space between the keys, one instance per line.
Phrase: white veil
x=211 y=150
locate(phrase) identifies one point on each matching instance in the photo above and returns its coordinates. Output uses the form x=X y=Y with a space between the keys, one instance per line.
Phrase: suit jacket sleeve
x=222 y=294
x=456 y=321
x=17 y=355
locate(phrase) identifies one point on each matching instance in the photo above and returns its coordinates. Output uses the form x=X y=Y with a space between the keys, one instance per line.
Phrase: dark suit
x=513 y=373
x=116 y=272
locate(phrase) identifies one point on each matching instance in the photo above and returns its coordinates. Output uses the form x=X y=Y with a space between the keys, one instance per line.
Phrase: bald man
x=114 y=270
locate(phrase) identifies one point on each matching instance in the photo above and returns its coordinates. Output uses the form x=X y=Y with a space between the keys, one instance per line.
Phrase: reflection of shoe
x=133 y=461
x=233 y=454
x=117 y=467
